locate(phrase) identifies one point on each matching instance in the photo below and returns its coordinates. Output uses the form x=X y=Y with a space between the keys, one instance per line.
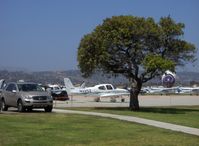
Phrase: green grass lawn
x=182 y=115
x=46 y=129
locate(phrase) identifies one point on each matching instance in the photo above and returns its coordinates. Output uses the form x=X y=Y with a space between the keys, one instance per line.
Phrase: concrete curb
x=173 y=127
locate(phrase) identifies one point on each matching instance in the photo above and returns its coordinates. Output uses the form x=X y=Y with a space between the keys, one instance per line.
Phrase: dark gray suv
x=25 y=96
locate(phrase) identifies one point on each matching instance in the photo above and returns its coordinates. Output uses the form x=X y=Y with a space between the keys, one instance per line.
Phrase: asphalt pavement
x=144 y=101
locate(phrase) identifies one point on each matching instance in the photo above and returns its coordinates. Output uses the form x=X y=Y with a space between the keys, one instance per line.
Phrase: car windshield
x=29 y=87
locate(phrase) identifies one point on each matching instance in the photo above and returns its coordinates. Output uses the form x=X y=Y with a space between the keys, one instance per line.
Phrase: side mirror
x=14 y=91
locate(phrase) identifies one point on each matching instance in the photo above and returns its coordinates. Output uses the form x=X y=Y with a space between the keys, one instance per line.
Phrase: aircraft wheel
x=97 y=99
x=113 y=99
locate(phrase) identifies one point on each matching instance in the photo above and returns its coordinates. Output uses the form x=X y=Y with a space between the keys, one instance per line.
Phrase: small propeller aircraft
x=168 y=80
x=101 y=90
x=188 y=90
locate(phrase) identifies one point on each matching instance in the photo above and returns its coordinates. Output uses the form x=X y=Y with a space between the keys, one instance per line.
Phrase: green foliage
x=174 y=47
x=128 y=44
x=153 y=62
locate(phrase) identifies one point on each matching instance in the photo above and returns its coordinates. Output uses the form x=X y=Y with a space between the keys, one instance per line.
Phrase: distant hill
x=56 y=77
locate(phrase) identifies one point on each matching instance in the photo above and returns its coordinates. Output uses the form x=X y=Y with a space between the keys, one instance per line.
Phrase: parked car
x=57 y=92
x=25 y=96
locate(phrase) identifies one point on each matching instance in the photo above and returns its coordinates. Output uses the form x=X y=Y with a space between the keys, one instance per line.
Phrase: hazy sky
x=40 y=35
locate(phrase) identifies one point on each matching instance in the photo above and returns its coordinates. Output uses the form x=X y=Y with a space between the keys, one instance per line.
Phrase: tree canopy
x=124 y=43
x=137 y=47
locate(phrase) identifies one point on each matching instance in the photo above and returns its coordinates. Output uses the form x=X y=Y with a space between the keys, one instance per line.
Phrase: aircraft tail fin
x=68 y=85
x=83 y=85
x=2 y=82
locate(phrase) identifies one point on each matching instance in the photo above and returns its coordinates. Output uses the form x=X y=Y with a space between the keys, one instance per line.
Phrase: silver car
x=25 y=96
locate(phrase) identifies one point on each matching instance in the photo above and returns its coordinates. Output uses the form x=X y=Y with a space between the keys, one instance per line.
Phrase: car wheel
x=4 y=106
x=20 y=106
x=48 y=109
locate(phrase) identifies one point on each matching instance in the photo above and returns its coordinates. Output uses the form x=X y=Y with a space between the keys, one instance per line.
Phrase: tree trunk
x=135 y=90
x=134 y=102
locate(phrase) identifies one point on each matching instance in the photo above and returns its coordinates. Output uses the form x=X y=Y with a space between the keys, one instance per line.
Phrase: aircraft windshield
x=109 y=87
x=29 y=87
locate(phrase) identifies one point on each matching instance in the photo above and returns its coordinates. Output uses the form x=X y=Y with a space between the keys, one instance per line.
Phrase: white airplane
x=168 y=80
x=101 y=90
x=160 y=90
x=189 y=90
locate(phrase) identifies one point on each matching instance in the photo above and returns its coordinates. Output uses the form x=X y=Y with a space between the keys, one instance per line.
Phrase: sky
x=43 y=35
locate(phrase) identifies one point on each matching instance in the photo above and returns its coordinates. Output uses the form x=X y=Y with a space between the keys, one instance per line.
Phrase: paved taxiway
x=145 y=100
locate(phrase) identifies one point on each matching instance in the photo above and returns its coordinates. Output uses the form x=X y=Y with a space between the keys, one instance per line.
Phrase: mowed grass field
x=50 y=129
x=181 y=115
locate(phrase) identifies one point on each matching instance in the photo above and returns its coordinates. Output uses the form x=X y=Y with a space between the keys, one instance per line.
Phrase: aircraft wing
x=112 y=94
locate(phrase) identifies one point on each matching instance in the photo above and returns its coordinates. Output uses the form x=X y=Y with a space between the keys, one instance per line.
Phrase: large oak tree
x=137 y=47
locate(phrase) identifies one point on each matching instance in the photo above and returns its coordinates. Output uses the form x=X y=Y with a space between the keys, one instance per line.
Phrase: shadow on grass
x=165 y=110
x=15 y=111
